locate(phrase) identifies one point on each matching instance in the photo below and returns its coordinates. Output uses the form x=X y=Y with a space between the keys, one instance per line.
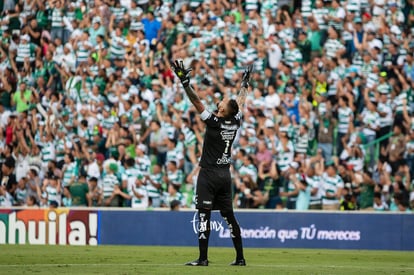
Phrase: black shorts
x=214 y=189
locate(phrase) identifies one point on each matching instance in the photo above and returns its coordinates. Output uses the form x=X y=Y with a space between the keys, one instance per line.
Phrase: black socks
x=235 y=233
x=204 y=216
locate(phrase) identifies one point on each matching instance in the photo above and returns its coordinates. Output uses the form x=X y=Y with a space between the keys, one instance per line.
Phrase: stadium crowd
x=91 y=114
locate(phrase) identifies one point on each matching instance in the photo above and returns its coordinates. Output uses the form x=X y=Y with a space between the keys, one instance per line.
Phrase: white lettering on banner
x=50 y=231
x=283 y=235
x=261 y=233
x=265 y=232
x=339 y=235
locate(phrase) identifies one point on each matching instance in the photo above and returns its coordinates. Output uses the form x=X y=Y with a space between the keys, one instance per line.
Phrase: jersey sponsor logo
x=229 y=127
x=227 y=135
x=224 y=160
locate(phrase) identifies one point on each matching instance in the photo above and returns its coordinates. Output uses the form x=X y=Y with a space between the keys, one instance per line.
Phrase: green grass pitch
x=15 y=259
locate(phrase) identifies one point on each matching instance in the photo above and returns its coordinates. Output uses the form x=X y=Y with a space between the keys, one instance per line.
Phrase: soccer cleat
x=198 y=262
x=241 y=262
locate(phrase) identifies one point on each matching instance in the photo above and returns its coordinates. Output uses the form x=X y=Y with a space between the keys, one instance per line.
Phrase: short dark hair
x=233 y=107
x=130 y=162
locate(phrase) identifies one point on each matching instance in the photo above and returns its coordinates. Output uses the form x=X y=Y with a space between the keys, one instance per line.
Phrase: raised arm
x=184 y=76
x=241 y=97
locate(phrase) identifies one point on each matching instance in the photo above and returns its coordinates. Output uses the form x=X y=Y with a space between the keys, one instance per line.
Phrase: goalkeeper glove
x=182 y=73
x=246 y=77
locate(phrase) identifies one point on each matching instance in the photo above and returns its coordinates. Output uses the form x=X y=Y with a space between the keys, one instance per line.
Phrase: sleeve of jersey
x=205 y=115
x=210 y=119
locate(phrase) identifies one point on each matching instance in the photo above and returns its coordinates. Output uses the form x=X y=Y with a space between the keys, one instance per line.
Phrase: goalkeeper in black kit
x=214 y=190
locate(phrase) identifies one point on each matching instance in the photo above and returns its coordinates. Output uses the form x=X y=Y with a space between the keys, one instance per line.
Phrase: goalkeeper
x=214 y=180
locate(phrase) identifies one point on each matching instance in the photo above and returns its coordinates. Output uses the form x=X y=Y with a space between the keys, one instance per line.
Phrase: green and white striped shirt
x=372 y=80
x=306 y=9
x=70 y=172
x=251 y=5
x=301 y=146
x=315 y=182
x=284 y=158
x=139 y=202
x=26 y=50
x=108 y=185
x=337 y=13
x=366 y=68
x=319 y=15
x=293 y=55
x=267 y=5
x=131 y=175
x=176 y=177
x=48 y=152
x=331 y=185
x=399 y=102
x=57 y=18
x=370 y=120
x=118 y=44
x=53 y=195
x=332 y=46
x=143 y=164
x=60 y=149
x=344 y=115
x=385 y=108
x=118 y=12
x=82 y=52
x=190 y=138
x=152 y=191
x=384 y=88
x=333 y=80
x=108 y=123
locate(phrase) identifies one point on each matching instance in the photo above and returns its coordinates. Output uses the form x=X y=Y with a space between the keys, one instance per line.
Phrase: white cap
x=96 y=20
x=155 y=82
x=25 y=37
x=269 y=123
x=142 y=147
x=251 y=131
x=69 y=46
x=294 y=165
x=395 y=30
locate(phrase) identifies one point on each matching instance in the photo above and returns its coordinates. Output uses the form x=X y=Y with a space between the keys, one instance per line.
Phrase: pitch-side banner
x=264 y=229
x=54 y=227
x=259 y=229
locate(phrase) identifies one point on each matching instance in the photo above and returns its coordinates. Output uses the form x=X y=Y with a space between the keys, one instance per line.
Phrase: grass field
x=169 y=260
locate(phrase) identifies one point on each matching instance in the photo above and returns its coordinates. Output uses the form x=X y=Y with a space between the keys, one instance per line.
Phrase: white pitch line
x=211 y=264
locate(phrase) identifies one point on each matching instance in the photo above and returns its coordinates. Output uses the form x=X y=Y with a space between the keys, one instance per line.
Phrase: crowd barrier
x=99 y=226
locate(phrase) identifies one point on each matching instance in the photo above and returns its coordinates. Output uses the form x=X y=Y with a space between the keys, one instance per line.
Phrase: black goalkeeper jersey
x=219 y=137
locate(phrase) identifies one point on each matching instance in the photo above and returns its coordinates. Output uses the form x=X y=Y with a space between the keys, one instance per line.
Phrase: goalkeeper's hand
x=182 y=73
x=246 y=77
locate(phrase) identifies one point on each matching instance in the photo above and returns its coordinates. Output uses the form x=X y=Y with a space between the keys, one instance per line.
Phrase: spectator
x=111 y=185
x=173 y=195
x=303 y=191
x=291 y=188
x=332 y=188
x=51 y=191
x=248 y=194
x=95 y=194
x=379 y=204
x=79 y=190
